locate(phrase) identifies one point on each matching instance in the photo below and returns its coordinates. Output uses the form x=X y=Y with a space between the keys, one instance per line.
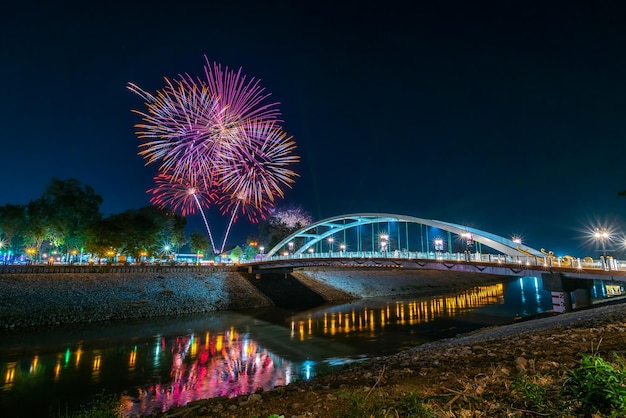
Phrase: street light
x=290 y=247
x=330 y=244
x=342 y=247
x=383 y=242
x=438 y=244
x=603 y=235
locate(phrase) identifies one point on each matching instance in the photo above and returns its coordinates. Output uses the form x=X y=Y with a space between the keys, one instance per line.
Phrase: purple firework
x=256 y=168
x=175 y=128
x=219 y=135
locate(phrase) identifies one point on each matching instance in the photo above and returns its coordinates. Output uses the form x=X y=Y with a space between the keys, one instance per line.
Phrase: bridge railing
x=522 y=260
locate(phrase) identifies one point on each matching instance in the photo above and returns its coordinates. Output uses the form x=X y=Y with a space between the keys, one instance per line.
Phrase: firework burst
x=257 y=167
x=183 y=196
x=217 y=135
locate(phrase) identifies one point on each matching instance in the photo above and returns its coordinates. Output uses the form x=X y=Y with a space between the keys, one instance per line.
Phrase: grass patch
x=597 y=386
x=379 y=405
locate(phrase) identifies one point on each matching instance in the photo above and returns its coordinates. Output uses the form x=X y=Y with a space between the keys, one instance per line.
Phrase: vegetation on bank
x=595 y=387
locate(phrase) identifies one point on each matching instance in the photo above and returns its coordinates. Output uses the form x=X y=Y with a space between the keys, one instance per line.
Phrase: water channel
x=155 y=364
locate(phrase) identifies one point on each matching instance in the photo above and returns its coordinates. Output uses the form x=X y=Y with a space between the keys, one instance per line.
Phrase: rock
x=521 y=364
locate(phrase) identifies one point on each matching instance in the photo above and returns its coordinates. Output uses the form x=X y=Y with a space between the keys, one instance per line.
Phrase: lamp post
x=342 y=247
x=383 y=242
x=330 y=245
x=438 y=244
x=603 y=235
x=469 y=241
x=290 y=247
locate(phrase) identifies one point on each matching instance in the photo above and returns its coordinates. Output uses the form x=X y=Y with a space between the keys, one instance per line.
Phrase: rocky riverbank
x=41 y=300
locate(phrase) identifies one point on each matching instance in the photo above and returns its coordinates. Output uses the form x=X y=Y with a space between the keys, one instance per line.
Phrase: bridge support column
x=556 y=282
x=582 y=297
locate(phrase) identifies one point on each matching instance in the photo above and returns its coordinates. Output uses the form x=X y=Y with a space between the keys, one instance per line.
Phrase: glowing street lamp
x=383 y=242
x=469 y=239
x=603 y=235
x=342 y=247
x=290 y=247
x=330 y=244
x=261 y=249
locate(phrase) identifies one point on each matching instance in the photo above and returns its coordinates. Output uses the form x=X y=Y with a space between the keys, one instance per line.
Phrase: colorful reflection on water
x=153 y=367
x=207 y=366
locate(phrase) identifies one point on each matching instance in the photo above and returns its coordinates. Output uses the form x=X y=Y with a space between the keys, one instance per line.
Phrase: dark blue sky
x=505 y=116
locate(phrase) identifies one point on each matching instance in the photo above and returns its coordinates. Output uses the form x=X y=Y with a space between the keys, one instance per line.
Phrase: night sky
x=507 y=116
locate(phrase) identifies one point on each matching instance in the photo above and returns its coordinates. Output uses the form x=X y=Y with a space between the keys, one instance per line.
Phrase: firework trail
x=182 y=196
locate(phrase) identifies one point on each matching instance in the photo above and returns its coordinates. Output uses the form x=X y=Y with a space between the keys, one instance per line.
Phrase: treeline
x=67 y=219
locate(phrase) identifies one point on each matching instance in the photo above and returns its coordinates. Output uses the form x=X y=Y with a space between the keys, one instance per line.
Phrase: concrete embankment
x=341 y=284
x=41 y=297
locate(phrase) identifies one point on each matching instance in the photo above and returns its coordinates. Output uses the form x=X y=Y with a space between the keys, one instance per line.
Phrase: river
x=155 y=364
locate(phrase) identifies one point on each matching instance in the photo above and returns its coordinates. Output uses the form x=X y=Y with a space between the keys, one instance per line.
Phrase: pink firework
x=234 y=205
x=257 y=168
x=238 y=100
x=217 y=135
x=255 y=171
x=183 y=196
x=191 y=122
x=174 y=128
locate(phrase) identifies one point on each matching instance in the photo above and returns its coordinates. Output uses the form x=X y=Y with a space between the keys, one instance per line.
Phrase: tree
x=199 y=243
x=75 y=207
x=37 y=227
x=12 y=221
x=235 y=254
x=103 y=236
x=172 y=226
x=140 y=232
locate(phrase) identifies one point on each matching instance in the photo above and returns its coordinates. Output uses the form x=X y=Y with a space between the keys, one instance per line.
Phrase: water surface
x=155 y=364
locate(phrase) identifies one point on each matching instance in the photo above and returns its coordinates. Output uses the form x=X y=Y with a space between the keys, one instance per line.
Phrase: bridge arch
x=314 y=235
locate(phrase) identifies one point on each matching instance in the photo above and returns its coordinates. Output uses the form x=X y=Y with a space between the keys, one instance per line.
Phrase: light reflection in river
x=229 y=354
x=401 y=313
x=206 y=366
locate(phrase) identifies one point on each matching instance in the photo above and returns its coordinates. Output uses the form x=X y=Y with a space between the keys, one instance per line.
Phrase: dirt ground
x=468 y=376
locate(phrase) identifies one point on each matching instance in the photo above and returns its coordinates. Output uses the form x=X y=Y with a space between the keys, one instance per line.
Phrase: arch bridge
x=383 y=235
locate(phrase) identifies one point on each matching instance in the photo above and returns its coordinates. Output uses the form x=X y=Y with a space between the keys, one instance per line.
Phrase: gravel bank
x=31 y=300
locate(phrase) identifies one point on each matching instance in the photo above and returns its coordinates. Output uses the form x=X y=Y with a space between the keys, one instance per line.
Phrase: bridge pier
x=556 y=282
